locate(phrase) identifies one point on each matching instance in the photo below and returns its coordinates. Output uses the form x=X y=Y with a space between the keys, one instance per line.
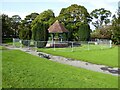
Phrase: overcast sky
x=25 y=7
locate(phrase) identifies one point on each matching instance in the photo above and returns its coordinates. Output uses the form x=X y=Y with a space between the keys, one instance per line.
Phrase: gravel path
x=76 y=63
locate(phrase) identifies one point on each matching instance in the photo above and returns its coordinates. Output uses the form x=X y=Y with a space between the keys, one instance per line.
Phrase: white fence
x=64 y=45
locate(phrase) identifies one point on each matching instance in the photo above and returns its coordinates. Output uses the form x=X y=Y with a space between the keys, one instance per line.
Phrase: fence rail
x=58 y=45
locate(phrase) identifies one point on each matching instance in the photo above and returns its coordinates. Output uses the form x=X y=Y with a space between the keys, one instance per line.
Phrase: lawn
x=95 y=54
x=2 y=48
x=22 y=70
x=1 y=67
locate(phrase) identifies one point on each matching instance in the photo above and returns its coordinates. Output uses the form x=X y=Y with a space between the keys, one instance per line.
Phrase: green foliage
x=116 y=30
x=100 y=17
x=72 y=17
x=7 y=40
x=10 y=26
x=25 y=27
x=15 y=20
x=107 y=32
x=6 y=26
x=25 y=36
x=2 y=48
x=40 y=27
x=25 y=32
x=22 y=70
x=84 y=32
x=29 y=18
x=102 y=33
x=40 y=34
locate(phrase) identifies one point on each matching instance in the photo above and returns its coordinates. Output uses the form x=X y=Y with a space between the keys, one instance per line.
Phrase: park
x=48 y=51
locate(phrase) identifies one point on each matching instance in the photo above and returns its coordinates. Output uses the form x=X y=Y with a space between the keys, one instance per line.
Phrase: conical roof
x=57 y=28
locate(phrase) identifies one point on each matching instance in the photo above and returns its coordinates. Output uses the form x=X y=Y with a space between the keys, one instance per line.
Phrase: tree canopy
x=100 y=17
x=15 y=22
x=74 y=17
x=116 y=29
x=25 y=26
x=40 y=27
x=6 y=26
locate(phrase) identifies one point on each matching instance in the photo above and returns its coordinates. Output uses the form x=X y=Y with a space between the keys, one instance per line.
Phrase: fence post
x=28 y=45
x=72 y=46
x=54 y=45
x=88 y=46
x=13 y=42
x=20 y=43
x=110 y=43
x=35 y=46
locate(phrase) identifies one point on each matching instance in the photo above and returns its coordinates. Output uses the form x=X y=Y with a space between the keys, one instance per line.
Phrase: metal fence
x=63 y=45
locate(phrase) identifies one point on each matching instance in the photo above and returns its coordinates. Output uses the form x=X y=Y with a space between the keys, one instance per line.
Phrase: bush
x=25 y=35
x=40 y=27
x=40 y=34
x=84 y=32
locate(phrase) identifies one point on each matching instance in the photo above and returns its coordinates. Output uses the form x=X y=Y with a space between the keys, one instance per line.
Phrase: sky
x=26 y=7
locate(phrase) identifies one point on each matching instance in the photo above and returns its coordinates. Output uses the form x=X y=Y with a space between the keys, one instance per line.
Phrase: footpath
x=69 y=61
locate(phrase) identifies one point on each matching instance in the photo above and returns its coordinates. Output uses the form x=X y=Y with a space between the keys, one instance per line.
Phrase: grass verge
x=22 y=70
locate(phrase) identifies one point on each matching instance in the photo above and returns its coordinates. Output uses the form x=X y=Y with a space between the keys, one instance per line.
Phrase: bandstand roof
x=57 y=27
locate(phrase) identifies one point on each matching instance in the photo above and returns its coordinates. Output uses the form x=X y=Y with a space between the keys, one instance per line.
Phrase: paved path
x=76 y=63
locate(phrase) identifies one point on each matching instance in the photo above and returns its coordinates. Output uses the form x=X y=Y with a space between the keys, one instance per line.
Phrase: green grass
x=2 y=48
x=22 y=70
x=1 y=67
x=106 y=56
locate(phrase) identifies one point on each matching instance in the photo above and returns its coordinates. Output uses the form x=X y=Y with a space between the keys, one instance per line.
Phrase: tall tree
x=25 y=32
x=100 y=17
x=116 y=29
x=74 y=17
x=40 y=26
x=25 y=27
x=15 y=21
x=29 y=18
x=6 y=26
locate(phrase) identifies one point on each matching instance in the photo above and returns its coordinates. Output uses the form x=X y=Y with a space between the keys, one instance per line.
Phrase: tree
x=100 y=17
x=116 y=29
x=15 y=21
x=102 y=33
x=84 y=32
x=6 y=26
x=74 y=17
x=25 y=32
x=40 y=26
x=29 y=18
